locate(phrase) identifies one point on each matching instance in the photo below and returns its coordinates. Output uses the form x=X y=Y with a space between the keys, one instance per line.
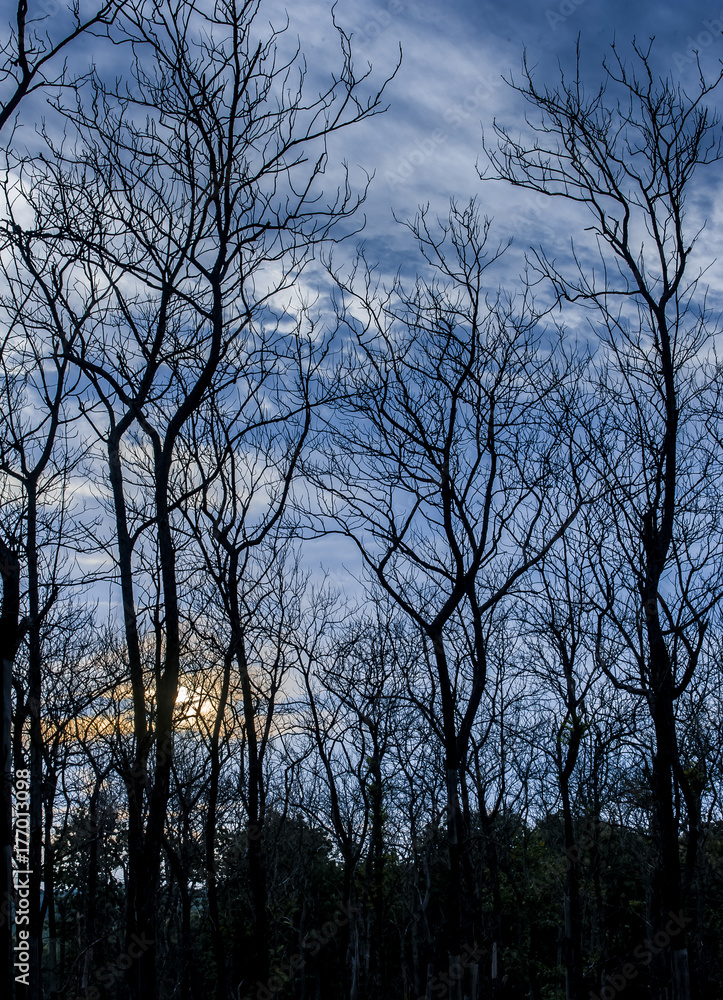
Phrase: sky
x=427 y=147
x=450 y=87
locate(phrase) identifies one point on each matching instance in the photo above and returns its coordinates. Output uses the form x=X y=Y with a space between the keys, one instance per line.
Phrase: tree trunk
x=454 y=889
x=49 y=880
x=573 y=919
x=217 y=940
x=258 y=963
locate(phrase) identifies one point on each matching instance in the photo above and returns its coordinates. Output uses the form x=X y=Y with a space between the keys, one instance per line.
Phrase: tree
x=497 y=783
x=447 y=472
x=629 y=154
x=241 y=456
x=353 y=688
x=38 y=457
x=28 y=64
x=195 y=196
x=561 y=627
x=30 y=57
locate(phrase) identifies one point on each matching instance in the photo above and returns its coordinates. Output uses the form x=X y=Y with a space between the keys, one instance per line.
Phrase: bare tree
x=629 y=154
x=32 y=58
x=38 y=458
x=241 y=456
x=560 y=622
x=495 y=785
x=195 y=196
x=446 y=472
x=354 y=686
x=30 y=61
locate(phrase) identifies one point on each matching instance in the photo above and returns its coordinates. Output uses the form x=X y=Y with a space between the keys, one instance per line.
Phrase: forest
x=484 y=762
